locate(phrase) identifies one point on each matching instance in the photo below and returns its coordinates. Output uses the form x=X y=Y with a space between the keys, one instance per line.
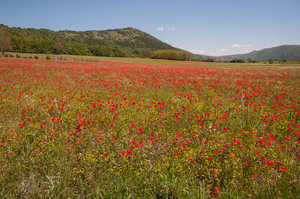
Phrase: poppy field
x=104 y=129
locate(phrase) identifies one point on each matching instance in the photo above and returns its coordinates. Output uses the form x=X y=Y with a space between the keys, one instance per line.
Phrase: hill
x=23 y=39
x=277 y=53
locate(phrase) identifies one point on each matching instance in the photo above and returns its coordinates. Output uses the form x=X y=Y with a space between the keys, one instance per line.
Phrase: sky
x=209 y=27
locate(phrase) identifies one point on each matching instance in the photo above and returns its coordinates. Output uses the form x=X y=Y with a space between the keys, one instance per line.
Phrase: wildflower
x=105 y=154
x=176 y=153
x=128 y=152
x=178 y=134
x=217 y=191
x=283 y=170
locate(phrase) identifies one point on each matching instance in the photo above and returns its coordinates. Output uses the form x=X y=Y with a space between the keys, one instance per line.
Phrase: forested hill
x=27 y=39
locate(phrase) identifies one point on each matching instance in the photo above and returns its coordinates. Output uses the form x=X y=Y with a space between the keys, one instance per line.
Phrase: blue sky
x=210 y=27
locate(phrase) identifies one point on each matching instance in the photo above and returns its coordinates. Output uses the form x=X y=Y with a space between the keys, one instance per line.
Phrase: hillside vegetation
x=128 y=42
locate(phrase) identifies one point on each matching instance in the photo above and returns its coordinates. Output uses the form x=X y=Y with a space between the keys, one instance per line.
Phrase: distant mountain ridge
x=279 y=52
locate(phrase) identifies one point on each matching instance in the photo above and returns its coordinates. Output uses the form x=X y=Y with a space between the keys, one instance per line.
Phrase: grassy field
x=89 y=127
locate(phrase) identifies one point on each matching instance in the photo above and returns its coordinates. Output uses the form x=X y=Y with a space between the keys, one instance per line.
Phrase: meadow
x=148 y=129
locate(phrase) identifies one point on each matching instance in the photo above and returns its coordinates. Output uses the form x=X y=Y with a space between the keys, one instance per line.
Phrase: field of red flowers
x=136 y=130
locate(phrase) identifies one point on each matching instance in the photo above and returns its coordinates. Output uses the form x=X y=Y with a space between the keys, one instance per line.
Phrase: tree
x=147 y=52
x=5 y=44
x=78 y=49
x=270 y=61
x=58 y=47
x=250 y=59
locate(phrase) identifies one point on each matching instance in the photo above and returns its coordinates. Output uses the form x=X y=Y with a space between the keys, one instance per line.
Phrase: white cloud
x=162 y=28
x=172 y=28
x=239 y=45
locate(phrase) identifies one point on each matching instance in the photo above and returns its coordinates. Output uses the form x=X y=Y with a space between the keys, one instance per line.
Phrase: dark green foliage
x=209 y=60
x=78 y=49
x=118 y=53
x=18 y=56
x=36 y=57
x=172 y=55
x=237 y=61
x=270 y=61
x=48 y=57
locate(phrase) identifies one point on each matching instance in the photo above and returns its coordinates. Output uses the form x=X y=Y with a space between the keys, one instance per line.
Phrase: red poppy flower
x=217 y=191
x=128 y=152
x=178 y=134
x=176 y=153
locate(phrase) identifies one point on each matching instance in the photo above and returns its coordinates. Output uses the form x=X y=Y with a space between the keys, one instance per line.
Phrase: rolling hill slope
x=279 y=52
x=126 y=38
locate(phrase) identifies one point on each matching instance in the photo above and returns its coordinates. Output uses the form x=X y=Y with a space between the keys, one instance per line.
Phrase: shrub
x=30 y=57
x=11 y=55
x=36 y=57
x=270 y=61
x=6 y=55
x=18 y=56
x=24 y=57
x=48 y=57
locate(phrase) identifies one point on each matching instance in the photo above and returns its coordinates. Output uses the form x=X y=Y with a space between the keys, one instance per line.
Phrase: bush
x=270 y=61
x=6 y=55
x=36 y=57
x=18 y=56
x=30 y=57
x=11 y=55
x=48 y=57
x=24 y=57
